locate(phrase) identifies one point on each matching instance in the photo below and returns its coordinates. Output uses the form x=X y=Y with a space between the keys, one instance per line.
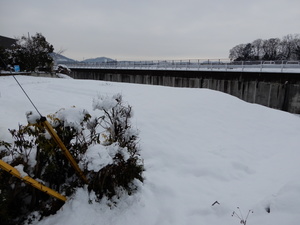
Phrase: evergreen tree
x=31 y=53
x=3 y=58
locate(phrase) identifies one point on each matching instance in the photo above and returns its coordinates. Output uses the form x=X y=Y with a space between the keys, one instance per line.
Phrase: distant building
x=6 y=42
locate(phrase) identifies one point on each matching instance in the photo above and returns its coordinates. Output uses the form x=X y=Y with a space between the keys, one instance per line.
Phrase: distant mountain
x=60 y=59
x=98 y=60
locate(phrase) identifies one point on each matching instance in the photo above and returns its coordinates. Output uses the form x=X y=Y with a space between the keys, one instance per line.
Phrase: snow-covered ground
x=199 y=146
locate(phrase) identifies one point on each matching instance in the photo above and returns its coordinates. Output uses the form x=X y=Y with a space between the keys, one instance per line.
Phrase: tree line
x=287 y=48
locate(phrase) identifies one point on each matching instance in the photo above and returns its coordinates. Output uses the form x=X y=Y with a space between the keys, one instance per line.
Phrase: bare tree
x=271 y=49
x=287 y=48
x=242 y=52
x=236 y=53
x=257 y=49
x=296 y=47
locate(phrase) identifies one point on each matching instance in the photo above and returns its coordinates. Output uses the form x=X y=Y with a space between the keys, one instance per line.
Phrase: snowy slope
x=199 y=146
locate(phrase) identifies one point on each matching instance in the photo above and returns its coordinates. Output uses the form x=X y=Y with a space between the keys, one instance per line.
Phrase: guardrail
x=194 y=65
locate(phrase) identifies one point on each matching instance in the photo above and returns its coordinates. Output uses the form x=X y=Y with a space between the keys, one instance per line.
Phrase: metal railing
x=195 y=65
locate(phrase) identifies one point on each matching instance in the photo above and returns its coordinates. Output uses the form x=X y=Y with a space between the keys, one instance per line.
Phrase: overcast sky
x=149 y=29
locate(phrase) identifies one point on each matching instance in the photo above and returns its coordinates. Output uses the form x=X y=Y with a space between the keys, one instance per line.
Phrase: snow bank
x=199 y=146
x=61 y=75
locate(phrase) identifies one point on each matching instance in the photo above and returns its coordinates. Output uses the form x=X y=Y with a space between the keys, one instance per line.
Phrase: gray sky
x=149 y=29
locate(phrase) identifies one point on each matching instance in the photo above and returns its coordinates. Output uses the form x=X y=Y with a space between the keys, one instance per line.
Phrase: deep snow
x=199 y=146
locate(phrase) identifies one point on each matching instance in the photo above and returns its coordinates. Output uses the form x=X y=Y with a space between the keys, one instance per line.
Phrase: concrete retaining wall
x=275 y=90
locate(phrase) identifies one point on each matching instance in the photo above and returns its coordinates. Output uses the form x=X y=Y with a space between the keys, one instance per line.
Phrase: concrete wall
x=275 y=90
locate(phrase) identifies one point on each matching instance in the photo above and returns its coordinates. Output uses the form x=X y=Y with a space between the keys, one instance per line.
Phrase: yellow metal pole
x=13 y=171
x=66 y=152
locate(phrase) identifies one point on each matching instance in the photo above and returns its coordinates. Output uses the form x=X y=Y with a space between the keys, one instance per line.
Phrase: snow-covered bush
x=124 y=164
x=105 y=147
x=63 y=69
